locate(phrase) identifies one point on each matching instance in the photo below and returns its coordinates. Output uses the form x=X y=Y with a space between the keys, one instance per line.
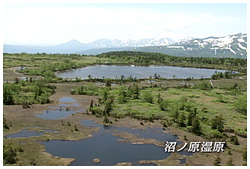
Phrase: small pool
x=148 y=133
x=106 y=147
x=24 y=133
x=27 y=133
x=55 y=114
x=67 y=100
x=183 y=161
x=70 y=105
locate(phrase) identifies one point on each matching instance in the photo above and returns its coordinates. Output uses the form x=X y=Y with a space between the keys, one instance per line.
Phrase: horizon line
x=47 y=45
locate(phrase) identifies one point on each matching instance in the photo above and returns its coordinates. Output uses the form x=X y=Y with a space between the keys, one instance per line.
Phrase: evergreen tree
x=122 y=96
x=159 y=98
x=218 y=123
x=108 y=107
x=190 y=117
x=105 y=93
x=182 y=119
x=176 y=115
x=91 y=105
x=108 y=83
x=196 y=128
x=16 y=80
x=9 y=154
x=8 y=98
x=136 y=91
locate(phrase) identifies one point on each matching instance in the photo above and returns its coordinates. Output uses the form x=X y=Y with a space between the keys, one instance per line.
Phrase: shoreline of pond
x=141 y=72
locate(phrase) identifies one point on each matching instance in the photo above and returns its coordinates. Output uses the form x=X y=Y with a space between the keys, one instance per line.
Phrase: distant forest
x=146 y=58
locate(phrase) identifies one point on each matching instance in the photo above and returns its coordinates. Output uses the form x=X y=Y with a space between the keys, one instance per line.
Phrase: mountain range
x=227 y=46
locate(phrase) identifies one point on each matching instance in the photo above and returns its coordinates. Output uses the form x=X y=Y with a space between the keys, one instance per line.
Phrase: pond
x=183 y=161
x=55 y=114
x=67 y=100
x=24 y=133
x=27 y=133
x=112 y=71
x=106 y=147
x=149 y=133
x=63 y=110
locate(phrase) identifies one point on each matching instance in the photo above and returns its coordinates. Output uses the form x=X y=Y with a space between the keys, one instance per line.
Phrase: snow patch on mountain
x=231 y=50
x=242 y=47
x=234 y=44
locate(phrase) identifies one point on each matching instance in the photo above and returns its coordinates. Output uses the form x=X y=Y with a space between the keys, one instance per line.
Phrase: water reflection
x=25 y=133
x=113 y=72
x=55 y=114
x=106 y=147
x=67 y=99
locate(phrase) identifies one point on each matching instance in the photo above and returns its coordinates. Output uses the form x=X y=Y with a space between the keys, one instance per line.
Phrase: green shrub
x=96 y=110
x=147 y=97
x=91 y=93
x=214 y=134
x=222 y=99
x=194 y=96
x=105 y=120
x=164 y=105
x=72 y=92
x=241 y=105
x=204 y=85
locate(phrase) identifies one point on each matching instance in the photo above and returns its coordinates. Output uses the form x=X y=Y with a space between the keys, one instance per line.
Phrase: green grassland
x=208 y=104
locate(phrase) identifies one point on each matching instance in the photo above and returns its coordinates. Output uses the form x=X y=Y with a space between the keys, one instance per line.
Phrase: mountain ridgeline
x=233 y=46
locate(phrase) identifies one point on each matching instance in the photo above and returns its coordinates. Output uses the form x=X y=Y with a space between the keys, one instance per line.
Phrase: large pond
x=106 y=147
x=112 y=71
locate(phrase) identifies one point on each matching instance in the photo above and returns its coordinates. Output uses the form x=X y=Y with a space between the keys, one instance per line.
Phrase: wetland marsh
x=58 y=121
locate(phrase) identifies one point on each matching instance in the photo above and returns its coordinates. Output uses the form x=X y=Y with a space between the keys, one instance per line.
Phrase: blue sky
x=51 y=24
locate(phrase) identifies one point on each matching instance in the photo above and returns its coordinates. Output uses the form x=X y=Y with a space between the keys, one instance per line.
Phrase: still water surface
x=112 y=71
x=106 y=147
